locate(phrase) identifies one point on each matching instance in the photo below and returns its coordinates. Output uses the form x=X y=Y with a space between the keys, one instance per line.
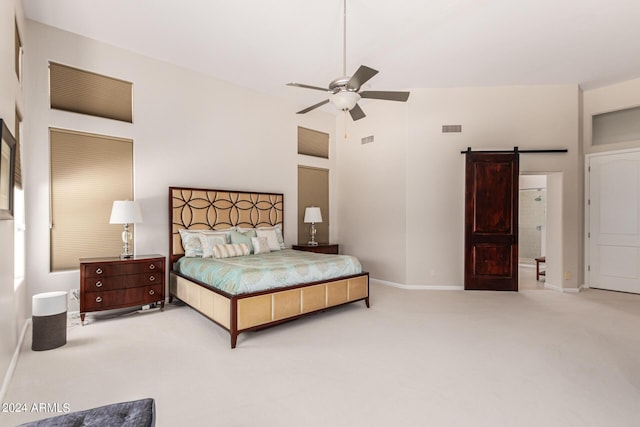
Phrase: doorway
x=532 y=231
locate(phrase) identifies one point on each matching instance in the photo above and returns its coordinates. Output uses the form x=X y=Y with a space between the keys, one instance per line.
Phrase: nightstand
x=323 y=248
x=112 y=282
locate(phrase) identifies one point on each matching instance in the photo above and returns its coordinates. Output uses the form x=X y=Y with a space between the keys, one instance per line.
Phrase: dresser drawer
x=95 y=301
x=101 y=270
x=143 y=295
x=150 y=266
x=144 y=279
x=95 y=284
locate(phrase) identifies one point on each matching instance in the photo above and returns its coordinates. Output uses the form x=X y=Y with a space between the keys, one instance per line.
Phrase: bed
x=290 y=284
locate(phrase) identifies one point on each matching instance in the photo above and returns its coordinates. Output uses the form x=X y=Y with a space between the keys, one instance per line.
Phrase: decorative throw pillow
x=272 y=238
x=191 y=243
x=231 y=250
x=251 y=231
x=238 y=237
x=260 y=245
x=209 y=241
x=278 y=229
x=191 y=240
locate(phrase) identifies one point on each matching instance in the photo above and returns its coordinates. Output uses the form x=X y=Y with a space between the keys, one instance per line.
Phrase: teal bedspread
x=253 y=273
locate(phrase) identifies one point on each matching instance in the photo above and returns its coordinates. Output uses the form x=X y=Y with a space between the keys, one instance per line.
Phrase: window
x=84 y=92
x=313 y=190
x=18 y=52
x=313 y=143
x=88 y=172
x=18 y=210
x=616 y=126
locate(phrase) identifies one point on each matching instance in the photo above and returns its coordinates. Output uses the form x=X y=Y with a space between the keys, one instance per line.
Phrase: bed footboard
x=248 y=312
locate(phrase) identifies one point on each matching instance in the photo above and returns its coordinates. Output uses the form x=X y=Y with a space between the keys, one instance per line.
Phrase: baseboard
x=561 y=289
x=418 y=287
x=14 y=361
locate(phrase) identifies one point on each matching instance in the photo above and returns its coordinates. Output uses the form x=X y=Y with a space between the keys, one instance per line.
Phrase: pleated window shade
x=17 y=177
x=84 y=92
x=88 y=172
x=313 y=143
x=18 y=52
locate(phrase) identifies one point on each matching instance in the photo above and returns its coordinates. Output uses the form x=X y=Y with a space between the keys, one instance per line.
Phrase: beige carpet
x=415 y=358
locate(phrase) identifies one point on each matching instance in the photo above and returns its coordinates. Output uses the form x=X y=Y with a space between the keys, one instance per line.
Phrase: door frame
x=587 y=210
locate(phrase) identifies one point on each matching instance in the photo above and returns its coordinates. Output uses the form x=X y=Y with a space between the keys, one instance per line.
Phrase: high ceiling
x=414 y=43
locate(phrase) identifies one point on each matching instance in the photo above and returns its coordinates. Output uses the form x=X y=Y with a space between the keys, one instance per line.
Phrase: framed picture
x=7 y=170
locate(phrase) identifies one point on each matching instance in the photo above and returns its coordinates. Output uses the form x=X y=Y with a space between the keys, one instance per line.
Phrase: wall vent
x=367 y=139
x=451 y=128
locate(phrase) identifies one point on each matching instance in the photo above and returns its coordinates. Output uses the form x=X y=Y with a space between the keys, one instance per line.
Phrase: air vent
x=451 y=128
x=367 y=139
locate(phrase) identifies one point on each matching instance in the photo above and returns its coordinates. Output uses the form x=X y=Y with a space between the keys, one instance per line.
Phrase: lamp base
x=126 y=255
x=312 y=243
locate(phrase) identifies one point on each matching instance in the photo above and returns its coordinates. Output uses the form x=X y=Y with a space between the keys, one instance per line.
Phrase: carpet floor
x=415 y=358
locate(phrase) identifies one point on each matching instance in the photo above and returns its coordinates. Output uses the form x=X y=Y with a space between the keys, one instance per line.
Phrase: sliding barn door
x=491 y=221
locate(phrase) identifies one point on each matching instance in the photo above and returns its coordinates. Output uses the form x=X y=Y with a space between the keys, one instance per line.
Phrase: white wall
x=415 y=173
x=371 y=189
x=13 y=298
x=188 y=130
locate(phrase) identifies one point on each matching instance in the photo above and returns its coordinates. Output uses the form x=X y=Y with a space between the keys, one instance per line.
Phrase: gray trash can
x=49 y=317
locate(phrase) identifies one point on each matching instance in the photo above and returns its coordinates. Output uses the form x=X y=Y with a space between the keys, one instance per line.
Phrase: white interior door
x=614 y=222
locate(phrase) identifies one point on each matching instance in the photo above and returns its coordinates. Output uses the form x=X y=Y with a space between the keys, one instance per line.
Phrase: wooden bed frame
x=201 y=209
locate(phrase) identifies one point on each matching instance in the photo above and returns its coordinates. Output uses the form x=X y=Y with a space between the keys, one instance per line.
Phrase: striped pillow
x=231 y=250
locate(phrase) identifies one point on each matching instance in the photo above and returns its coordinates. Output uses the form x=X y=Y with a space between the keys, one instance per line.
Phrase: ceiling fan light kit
x=344 y=92
x=345 y=100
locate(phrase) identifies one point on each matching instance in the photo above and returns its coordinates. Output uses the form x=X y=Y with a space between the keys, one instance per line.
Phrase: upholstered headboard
x=201 y=209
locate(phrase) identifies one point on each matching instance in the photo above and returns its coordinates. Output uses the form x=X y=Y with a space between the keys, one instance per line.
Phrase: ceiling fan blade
x=362 y=75
x=308 y=86
x=313 y=107
x=357 y=113
x=385 y=95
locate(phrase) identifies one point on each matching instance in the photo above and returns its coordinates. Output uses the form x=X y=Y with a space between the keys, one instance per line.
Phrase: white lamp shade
x=312 y=215
x=125 y=212
x=345 y=100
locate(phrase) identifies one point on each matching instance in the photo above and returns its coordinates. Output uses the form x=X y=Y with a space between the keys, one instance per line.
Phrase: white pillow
x=277 y=228
x=231 y=250
x=191 y=240
x=260 y=245
x=209 y=241
x=272 y=238
x=191 y=243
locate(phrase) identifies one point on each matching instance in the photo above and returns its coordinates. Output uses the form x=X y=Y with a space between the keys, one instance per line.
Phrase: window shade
x=313 y=143
x=17 y=179
x=84 y=92
x=88 y=172
x=18 y=52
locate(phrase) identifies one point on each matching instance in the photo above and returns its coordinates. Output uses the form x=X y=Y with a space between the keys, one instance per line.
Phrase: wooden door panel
x=493 y=210
x=491 y=221
x=492 y=260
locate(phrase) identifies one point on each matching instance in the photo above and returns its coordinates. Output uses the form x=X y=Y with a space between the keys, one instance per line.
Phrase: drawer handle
x=151 y=292
x=99 y=299
x=98 y=271
x=152 y=278
x=152 y=267
x=98 y=284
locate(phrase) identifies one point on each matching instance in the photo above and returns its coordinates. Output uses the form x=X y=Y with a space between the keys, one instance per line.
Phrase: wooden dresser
x=323 y=248
x=112 y=282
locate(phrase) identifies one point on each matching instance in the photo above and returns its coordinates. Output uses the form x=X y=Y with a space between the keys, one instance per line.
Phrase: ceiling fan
x=344 y=92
